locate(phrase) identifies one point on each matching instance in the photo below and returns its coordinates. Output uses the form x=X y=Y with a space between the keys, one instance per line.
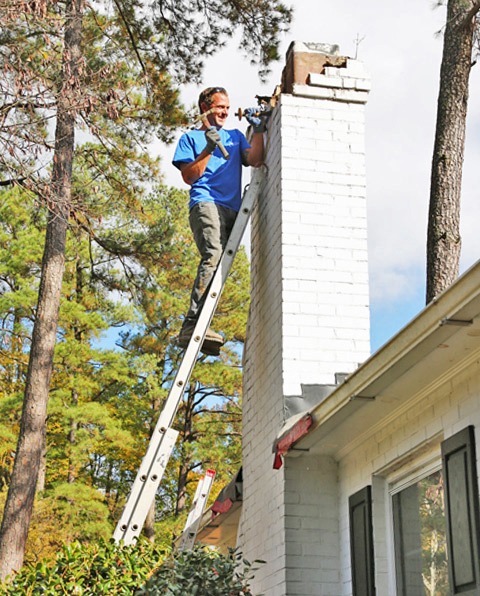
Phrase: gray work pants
x=211 y=225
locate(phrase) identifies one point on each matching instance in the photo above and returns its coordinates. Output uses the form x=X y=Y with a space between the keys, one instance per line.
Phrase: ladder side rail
x=151 y=471
x=196 y=511
x=191 y=513
x=198 y=493
x=201 y=496
x=143 y=491
x=211 y=301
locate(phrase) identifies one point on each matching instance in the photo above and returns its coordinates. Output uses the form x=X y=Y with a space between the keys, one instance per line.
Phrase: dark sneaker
x=211 y=345
x=214 y=337
x=211 y=348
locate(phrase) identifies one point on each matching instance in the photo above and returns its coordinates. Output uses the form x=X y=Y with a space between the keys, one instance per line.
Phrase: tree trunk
x=185 y=463
x=149 y=525
x=181 y=501
x=72 y=439
x=20 y=499
x=72 y=434
x=444 y=243
x=42 y=471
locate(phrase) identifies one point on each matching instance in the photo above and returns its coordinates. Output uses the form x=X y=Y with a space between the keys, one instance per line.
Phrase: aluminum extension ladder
x=194 y=518
x=164 y=436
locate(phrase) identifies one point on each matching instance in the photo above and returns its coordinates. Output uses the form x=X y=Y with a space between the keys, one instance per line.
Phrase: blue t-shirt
x=222 y=180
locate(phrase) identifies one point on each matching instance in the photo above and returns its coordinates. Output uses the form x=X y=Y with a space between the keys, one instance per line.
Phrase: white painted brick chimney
x=309 y=316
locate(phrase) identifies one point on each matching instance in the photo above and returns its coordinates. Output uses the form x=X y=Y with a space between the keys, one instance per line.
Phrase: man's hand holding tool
x=253 y=116
x=212 y=135
x=213 y=139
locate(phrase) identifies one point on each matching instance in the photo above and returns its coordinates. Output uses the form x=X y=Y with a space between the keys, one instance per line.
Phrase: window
x=436 y=522
x=420 y=537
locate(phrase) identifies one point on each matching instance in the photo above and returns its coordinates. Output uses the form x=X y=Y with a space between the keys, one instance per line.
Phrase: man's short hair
x=206 y=95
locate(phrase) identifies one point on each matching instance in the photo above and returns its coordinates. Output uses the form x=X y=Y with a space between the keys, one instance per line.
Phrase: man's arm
x=193 y=170
x=254 y=155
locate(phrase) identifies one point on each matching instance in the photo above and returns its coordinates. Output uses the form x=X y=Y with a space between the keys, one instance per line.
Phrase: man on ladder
x=164 y=435
x=210 y=159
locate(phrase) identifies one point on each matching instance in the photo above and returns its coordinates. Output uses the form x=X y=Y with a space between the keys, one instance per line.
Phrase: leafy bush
x=201 y=572
x=106 y=569
x=95 y=569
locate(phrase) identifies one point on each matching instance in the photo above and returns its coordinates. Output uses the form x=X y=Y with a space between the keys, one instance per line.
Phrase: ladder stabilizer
x=196 y=510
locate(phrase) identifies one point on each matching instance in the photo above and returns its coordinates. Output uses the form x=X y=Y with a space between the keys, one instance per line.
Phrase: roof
x=219 y=524
x=441 y=340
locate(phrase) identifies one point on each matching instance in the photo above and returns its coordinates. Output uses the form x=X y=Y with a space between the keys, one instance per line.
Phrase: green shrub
x=106 y=569
x=95 y=569
x=201 y=572
x=66 y=513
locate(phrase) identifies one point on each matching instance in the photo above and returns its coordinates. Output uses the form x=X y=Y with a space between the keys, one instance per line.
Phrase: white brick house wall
x=395 y=450
x=311 y=526
x=309 y=319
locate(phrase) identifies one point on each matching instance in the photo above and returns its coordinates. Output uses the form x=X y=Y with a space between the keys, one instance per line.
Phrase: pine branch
x=12 y=181
x=130 y=35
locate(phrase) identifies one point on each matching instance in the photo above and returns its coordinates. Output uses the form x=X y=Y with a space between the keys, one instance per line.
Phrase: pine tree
x=444 y=241
x=115 y=77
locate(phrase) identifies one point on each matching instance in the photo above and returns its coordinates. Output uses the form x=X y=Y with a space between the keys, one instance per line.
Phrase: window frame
x=422 y=461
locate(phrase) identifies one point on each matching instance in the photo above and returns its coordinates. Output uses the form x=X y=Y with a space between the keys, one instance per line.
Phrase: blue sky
x=400 y=45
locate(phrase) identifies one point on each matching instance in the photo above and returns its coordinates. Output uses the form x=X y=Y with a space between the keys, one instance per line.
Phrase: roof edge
x=445 y=308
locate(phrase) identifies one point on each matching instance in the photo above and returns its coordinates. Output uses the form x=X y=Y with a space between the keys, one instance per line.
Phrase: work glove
x=213 y=139
x=253 y=118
